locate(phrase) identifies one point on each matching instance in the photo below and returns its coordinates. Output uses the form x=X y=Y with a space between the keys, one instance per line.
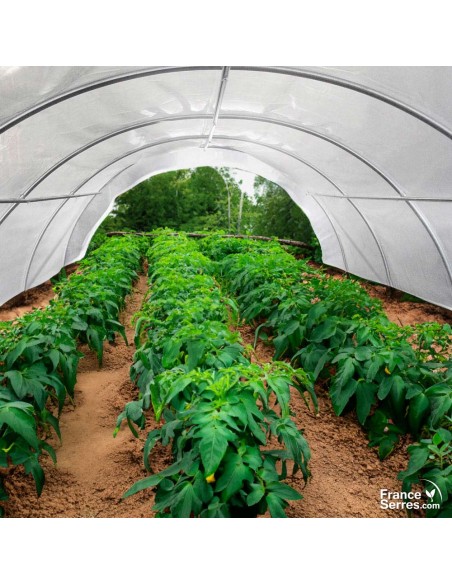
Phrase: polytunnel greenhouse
x=365 y=152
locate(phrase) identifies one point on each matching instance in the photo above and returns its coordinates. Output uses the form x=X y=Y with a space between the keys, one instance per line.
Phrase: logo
x=412 y=500
x=430 y=494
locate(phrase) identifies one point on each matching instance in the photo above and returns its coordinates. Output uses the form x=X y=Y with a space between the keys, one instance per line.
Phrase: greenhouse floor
x=94 y=469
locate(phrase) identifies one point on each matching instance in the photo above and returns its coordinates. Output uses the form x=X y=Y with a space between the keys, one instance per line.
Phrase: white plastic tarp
x=366 y=152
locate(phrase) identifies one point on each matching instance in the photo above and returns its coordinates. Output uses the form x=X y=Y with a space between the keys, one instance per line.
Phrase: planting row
x=39 y=355
x=221 y=414
x=398 y=379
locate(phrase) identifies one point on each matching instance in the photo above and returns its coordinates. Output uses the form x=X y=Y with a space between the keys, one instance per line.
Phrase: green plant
x=218 y=408
x=39 y=356
x=431 y=462
x=398 y=379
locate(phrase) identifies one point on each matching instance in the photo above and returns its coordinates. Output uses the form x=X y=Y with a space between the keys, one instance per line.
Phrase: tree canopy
x=206 y=198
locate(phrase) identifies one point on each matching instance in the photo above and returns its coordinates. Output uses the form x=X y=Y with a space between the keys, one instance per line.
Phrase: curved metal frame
x=302 y=73
x=54 y=214
x=260 y=119
x=344 y=196
x=197 y=137
x=112 y=80
x=321 y=77
x=110 y=180
x=358 y=156
x=245 y=117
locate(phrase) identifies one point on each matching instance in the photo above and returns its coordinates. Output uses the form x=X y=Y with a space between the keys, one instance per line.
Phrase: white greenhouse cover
x=366 y=152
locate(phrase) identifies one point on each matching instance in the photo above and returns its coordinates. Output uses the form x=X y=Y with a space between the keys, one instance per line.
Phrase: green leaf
x=32 y=465
x=54 y=357
x=212 y=448
x=16 y=379
x=186 y=499
x=324 y=331
x=275 y=506
x=21 y=421
x=387 y=445
x=195 y=350
x=170 y=351
x=95 y=342
x=418 y=458
x=385 y=387
x=345 y=373
x=155 y=479
x=315 y=312
x=281 y=389
x=373 y=369
x=363 y=354
x=340 y=396
x=257 y=492
x=365 y=398
x=234 y=474
x=281 y=344
x=152 y=438
x=15 y=353
x=321 y=363
x=285 y=492
x=417 y=412
x=178 y=386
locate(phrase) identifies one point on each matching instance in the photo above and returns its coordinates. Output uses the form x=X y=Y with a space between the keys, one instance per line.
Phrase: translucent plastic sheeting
x=365 y=151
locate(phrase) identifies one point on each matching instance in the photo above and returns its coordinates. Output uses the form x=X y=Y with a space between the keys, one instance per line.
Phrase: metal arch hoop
x=283 y=123
x=110 y=180
x=198 y=137
x=332 y=80
x=54 y=214
x=245 y=117
x=277 y=70
x=302 y=73
x=232 y=117
x=325 y=212
x=272 y=121
x=113 y=80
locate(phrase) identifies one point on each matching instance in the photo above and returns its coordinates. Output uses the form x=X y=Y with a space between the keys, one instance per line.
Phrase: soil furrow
x=93 y=469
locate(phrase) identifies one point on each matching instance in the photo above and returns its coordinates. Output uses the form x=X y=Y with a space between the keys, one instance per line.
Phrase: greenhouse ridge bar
x=365 y=151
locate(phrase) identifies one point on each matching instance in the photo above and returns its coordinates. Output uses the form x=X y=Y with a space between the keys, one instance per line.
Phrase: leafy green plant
x=215 y=422
x=431 y=462
x=218 y=408
x=39 y=356
x=398 y=379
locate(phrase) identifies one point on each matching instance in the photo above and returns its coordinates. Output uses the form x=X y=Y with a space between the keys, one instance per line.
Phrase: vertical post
x=239 y=220
x=229 y=206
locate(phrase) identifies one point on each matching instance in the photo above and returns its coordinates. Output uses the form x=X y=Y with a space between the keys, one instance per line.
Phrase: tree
x=276 y=214
x=206 y=199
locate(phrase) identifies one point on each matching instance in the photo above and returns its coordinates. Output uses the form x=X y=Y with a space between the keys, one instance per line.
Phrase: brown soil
x=402 y=312
x=93 y=469
x=346 y=475
x=38 y=297
x=406 y=312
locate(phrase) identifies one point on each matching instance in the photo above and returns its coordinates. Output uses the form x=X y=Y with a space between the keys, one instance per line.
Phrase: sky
x=247 y=178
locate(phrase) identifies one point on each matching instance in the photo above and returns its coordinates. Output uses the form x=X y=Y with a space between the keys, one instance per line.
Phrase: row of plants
x=216 y=409
x=397 y=379
x=39 y=355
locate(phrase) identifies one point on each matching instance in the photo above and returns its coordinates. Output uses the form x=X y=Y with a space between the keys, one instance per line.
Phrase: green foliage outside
x=208 y=199
x=276 y=214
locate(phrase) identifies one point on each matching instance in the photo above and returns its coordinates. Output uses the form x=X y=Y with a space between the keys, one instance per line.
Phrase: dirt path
x=93 y=469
